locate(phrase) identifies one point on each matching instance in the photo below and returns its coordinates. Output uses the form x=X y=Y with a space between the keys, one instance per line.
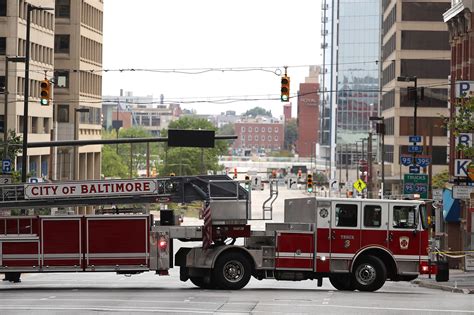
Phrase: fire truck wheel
x=200 y=282
x=342 y=282
x=370 y=274
x=232 y=271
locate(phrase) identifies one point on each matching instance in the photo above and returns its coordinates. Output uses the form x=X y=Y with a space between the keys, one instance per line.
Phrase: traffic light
x=309 y=183
x=235 y=173
x=285 y=88
x=45 y=94
x=247 y=182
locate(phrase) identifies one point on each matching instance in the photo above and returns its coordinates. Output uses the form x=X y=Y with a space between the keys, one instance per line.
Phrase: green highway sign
x=416 y=184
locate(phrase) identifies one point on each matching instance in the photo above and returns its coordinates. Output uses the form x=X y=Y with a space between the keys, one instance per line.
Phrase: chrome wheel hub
x=233 y=271
x=365 y=274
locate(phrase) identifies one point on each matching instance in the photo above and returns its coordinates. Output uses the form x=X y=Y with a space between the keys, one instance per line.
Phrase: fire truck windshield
x=424 y=216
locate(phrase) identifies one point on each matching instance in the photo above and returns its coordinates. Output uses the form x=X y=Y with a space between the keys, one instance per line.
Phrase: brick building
x=308 y=114
x=261 y=134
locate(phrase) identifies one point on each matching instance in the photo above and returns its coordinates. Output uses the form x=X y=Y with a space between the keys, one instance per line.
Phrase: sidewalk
x=459 y=282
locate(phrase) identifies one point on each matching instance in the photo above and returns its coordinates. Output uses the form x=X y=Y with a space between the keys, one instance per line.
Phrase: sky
x=245 y=44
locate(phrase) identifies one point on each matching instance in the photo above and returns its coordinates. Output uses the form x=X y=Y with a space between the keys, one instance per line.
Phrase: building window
x=250 y=129
x=276 y=129
x=3 y=7
x=256 y=138
x=250 y=138
x=3 y=45
x=269 y=138
x=61 y=44
x=263 y=129
x=63 y=113
x=263 y=138
x=61 y=78
x=256 y=129
x=269 y=129
x=2 y=84
x=243 y=129
x=276 y=138
x=63 y=8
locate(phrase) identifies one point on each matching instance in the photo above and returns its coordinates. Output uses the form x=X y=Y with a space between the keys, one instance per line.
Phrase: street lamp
x=414 y=95
x=5 y=115
x=380 y=129
x=24 y=159
x=76 y=137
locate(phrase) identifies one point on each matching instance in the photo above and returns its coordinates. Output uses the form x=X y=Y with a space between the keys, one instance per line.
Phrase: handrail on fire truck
x=268 y=204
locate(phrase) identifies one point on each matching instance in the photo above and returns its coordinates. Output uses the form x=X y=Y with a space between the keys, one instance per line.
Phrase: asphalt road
x=79 y=293
x=145 y=293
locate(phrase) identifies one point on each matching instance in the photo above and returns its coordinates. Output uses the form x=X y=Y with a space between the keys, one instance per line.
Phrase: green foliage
x=320 y=179
x=282 y=153
x=291 y=134
x=192 y=161
x=14 y=145
x=116 y=158
x=257 y=111
x=463 y=122
x=227 y=130
x=439 y=180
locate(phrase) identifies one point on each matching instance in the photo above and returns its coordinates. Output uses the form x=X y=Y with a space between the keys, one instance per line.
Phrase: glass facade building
x=350 y=93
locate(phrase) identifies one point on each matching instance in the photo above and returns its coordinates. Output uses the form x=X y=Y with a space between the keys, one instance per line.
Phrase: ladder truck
x=357 y=243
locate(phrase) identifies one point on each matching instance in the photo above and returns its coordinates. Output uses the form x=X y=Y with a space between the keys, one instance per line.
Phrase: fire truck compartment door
x=295 y=250
x=118 y=243
x=61 y=243
x=19 y=253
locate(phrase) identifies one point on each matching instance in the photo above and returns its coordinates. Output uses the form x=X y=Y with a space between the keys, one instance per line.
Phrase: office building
x=415 y=50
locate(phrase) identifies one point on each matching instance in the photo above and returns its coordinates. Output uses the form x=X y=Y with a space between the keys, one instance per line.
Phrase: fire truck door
x=295 y=250
x=404 y=231
x=374 y=230
x=345 y=233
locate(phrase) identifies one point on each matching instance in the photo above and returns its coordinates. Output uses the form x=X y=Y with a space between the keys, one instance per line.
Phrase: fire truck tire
x=201 y=283
x=232 y=271
x=370 y=274
x=342 y=282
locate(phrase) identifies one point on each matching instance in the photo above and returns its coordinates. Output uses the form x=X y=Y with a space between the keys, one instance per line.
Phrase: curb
x=448 y=288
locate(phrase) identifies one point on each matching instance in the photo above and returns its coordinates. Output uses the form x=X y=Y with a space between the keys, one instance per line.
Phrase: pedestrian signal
x=285 y=89
x=45 y=94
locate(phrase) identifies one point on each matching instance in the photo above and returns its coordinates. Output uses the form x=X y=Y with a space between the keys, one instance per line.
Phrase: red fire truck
x=356 y=243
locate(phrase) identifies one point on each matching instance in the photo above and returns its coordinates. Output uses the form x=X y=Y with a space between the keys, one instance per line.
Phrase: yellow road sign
x=360 y=185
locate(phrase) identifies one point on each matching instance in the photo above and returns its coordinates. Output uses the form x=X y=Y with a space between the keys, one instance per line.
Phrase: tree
x=189 y=161
x=291 y=134
x=257 y=111
x=112 y=164
x=14 y=148
x=116 y=158
x=463 y=122
x=439 y=180
x=227 y=130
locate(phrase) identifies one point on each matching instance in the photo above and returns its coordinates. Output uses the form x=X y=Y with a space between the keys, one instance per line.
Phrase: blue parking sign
x=6 y=166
